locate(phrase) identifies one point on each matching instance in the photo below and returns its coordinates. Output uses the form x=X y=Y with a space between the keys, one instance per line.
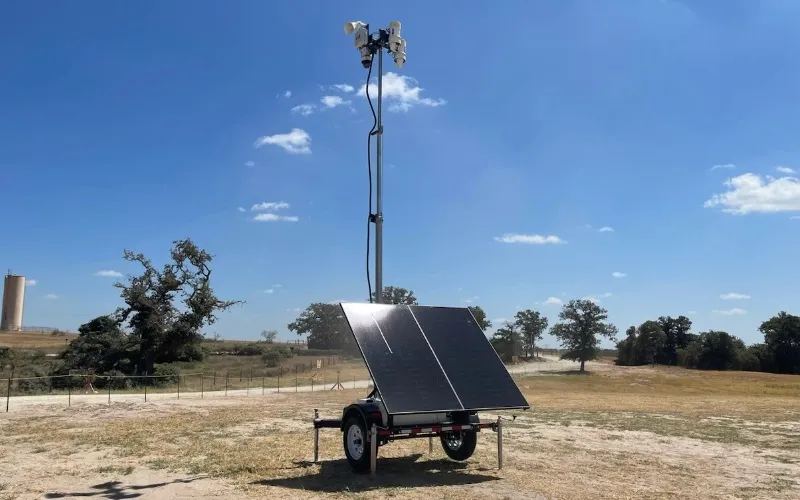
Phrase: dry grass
x=35 y=340
x=627 y=433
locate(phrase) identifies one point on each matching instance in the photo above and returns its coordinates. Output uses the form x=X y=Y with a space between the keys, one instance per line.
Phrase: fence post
x=241 y=370
x=312 y=384
x=8 y=390
x=179 y=386
x=280 y=371
x=145 y=387
x=109 y=390
x=295 y=378
x=202 y=381
x=214 y=380
x=263 y=377
x=226 y=383
x=69 y=393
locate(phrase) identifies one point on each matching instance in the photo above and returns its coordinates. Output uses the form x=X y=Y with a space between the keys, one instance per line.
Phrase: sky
x=643 y=153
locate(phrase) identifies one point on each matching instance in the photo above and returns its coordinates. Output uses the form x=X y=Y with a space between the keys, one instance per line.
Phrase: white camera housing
x=394 y=36
x=400 y=54
x=352 y=26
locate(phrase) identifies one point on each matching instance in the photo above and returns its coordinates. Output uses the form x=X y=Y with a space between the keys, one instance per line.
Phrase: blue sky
x=132 y=125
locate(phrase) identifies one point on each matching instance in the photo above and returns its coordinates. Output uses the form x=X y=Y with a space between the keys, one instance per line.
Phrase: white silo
x=13 y=300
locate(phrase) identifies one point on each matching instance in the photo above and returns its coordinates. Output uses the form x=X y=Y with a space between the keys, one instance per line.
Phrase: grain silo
x=13 y=300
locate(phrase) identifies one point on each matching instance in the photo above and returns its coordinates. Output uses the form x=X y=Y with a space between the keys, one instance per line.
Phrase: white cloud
x=726 y=166
x=295 y=142
x=108 y=273
x=51 y=296
x=749 y=193
x=277 y=286
x=691 y=312
x=617 y=274
x=249 y=163
x=296 y=309
x=344 y=87
x=734 y=296
x=242 y=209
x=269 y=290
x=730 y=312
x=288 y=93
x=785 y=170
x=304 y=109
x=30 y=282
x=531 y=239
x=332 y=101
x=269 y=205
x=553 y=301
x=401 y=93
x=592 y=299
x=606 y=229
x=607 y=294
x=275 y=218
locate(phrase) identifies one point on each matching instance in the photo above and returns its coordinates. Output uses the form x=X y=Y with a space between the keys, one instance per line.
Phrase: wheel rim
x=355 y=442
x=453 y=440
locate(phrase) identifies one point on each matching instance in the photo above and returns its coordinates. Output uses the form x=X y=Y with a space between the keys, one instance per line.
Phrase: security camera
x=394 y=36
x=366 y=57
x=400 y=54
x=352 y=26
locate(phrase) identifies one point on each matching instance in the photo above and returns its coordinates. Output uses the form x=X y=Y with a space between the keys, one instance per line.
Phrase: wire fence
x=69 y=389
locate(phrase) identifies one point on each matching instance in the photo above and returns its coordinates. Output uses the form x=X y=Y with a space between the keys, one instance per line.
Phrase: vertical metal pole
x=263 y=378
x=373 y=448
x=145 y=387
x=316 y=436
x=430 y=444
x=379 y=188
x=499 y=443
x=280 y=370
x=179 y=387
x=226 y=383
x=69 y=394
x=202 y=382
x=109 y=390
x=8 y=390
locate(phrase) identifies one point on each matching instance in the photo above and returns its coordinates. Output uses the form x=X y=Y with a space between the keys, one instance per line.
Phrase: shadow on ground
x=403 y=472
x=116 y=490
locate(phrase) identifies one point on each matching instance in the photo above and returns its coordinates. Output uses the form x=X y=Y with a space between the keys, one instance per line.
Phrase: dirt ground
x=617 y=433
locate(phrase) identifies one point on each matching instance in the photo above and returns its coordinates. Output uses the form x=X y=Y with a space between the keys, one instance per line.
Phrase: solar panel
x=430 y=359
x=399 y=359
x=479 y=378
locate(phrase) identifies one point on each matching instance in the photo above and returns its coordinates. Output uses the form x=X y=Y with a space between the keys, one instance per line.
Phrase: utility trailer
x=433 y=371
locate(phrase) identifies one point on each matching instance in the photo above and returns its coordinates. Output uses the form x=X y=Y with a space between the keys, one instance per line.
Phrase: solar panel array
x=431 y=359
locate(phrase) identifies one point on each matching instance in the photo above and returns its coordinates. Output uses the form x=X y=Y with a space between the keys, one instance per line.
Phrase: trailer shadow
x=401 y=472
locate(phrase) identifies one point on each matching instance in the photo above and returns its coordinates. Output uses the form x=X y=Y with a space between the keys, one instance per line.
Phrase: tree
x=480 y=317
x=269 y=335
x=782 y=337
x=582 y=321
x=163 y=331
x=325 y=325
x=626 y=348
x=101 y=346
x=532 y=326
x=507 y=341
x=677 y=336
x=650 y=341
x=396 y=295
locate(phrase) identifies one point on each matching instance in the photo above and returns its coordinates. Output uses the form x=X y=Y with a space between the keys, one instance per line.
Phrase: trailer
x=433 y=370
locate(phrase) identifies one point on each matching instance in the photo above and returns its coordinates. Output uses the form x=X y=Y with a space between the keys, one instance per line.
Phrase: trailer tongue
x=433 y=370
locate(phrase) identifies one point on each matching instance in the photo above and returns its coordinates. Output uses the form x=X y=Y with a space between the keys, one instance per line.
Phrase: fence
x=66 y=389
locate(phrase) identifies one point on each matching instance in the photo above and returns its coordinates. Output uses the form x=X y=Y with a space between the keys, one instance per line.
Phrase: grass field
x=617 y=433
x=46 y=342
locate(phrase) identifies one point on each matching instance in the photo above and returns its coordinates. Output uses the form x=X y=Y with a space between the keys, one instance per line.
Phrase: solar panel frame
x=423 y=407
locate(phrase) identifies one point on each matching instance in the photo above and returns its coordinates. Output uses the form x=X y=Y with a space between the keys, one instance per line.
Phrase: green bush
x=35 y=380
x=273 y=355
x=165 y=375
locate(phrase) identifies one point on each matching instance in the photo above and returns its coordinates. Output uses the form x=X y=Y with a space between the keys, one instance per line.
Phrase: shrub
x=249 y=349
x=273 y=355
x=165 y=375
x=35 y=380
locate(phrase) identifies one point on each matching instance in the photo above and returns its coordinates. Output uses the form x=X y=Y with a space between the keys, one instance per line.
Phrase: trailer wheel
x=356 y=447
x=459 y=445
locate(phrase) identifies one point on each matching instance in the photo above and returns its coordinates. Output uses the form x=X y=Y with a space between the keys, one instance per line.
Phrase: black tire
x=354 y=431
x=459 y=445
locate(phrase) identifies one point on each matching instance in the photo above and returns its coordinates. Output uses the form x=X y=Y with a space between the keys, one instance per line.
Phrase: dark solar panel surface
x=402 y=365
x=477 y=375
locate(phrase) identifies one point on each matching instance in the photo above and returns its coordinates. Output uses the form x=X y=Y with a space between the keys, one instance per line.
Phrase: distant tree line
x=669 y=341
